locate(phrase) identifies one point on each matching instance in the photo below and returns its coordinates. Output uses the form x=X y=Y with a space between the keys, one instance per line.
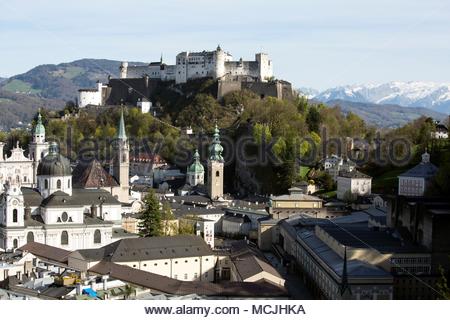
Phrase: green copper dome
x=39 y=129
x=196 y=166
x=216 y=149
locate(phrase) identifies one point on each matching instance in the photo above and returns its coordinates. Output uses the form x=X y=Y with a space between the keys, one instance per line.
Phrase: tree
x=150 y=224
x=186 y=227
x=168 y=225
x=313 y=119
x=129 y=291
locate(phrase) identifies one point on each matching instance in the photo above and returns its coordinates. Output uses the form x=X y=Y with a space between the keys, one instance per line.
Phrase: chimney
x=146 y=80
x=94 y=211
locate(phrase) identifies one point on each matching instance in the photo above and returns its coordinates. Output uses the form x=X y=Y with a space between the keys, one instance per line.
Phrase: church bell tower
x=38 y=147
x=121 y=161
x=215 y=167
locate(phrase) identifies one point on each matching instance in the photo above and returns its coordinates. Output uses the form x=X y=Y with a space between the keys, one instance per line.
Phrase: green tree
x=186 y=227
x=150 y=224
x=167 y=217
x=313 y=119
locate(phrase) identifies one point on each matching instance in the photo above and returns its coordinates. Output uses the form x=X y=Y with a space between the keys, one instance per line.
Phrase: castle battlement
x=206 y=64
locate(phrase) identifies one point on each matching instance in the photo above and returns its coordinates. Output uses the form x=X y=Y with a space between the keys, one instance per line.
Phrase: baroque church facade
x=44 y=202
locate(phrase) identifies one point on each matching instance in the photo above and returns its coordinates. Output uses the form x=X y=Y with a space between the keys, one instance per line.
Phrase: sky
x=312 y=43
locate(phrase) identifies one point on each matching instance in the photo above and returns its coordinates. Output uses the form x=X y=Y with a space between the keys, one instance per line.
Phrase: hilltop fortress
x=136 y=84
x=216 y=64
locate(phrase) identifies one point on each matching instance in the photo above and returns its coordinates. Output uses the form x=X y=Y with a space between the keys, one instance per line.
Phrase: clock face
x=15 y=202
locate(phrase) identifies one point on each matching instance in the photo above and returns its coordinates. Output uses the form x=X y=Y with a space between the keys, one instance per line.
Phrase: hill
x=62 y=81
x=19 y=109
x=385 y=115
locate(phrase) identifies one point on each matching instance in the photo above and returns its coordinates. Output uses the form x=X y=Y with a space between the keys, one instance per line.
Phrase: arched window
x=15 y=243
x=58 y=184
x=68 y=183
x=97 y=236
x=64 y=238
x=46 y=184
x=30 y=237
x=17 y=179
x=15 y=215
x=217 y=173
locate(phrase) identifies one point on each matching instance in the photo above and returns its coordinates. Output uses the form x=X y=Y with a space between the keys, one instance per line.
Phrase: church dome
x=196 y=166
x=54 y=164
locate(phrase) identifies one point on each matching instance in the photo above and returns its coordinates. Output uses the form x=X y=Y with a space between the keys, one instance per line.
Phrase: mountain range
x=385 y=115
x=431 y=95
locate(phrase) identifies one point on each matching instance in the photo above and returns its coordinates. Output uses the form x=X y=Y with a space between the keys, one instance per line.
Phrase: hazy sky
x=313 y=43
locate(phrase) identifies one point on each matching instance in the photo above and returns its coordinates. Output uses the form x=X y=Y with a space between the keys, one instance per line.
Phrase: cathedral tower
x=215 y=167
x=38 y=147
x=121 y=161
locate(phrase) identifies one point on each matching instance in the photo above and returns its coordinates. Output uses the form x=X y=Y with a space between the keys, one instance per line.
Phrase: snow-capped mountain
x=430 y=95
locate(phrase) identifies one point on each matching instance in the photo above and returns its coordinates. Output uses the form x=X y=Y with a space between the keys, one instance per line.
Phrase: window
x=68 y=183
x=30 y=237
x=17 y=179
x=15 y=243
x=58 y=184
x=46 y=184
x=185 y=276
x=64 y=238
x=64 y=217
x=97 y=236
x=217 y=173
x=15 y=215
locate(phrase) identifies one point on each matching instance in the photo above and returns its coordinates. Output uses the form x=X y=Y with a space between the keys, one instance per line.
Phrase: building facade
x=353 y=184
x=415 y=182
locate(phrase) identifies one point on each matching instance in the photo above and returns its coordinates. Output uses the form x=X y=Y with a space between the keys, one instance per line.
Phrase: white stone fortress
x=216 y=64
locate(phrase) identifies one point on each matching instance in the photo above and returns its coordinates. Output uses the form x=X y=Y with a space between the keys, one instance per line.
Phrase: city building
x=334 y=164
x=183 y=257
x=440 y=131
x=353 y=184
x=416 y=181
x=283 y=206
x=62 y=209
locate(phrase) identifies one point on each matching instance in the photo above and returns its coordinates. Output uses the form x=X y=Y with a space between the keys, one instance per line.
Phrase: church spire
x=216 y=149
x=122 y=134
